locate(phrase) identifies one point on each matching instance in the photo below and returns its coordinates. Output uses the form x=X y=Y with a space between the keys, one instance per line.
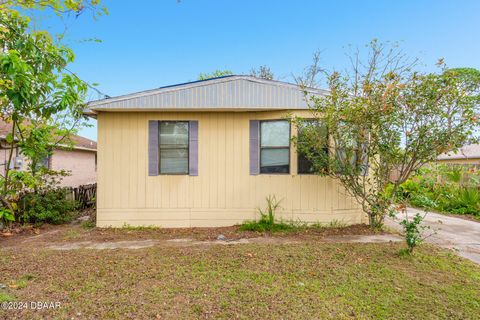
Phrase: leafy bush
x=422 y=200
x=413 y=231
x=465 y=201
x=6 y=215
x=447 y=189
x=49 y=207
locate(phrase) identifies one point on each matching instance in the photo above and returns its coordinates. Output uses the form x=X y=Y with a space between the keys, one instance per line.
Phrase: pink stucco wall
x=3 y=159
x=4 y=154
x=80 y=163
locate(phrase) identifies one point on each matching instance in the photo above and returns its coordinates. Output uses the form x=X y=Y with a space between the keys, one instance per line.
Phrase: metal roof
x=471 y=151
x=79 y=142
x=228 y=93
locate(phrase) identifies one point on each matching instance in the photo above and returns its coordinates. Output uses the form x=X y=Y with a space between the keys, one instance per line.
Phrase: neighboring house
x=208 y=153
x=467 y=155
x=80 y=161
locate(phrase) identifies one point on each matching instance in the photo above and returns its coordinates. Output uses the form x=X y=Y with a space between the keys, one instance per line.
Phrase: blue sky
x=148 y=44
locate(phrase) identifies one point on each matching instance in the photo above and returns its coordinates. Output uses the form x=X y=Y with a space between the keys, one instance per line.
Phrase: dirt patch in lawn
x=74 y=233
x=312 y=273
x=188 y=242
x=307 y=280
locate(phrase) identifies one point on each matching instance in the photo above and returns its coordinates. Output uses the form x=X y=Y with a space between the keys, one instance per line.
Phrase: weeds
x=330 y=225
x=129 y=227
x=269 y=223
x=267 y=219
x=5 y=297
x=71 y=234
x=22 y=282
x=89 y=224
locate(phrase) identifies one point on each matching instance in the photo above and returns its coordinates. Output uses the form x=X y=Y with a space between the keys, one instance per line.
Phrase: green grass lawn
x=310 y=280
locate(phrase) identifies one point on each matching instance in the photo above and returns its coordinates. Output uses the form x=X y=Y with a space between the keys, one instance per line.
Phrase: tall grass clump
x=267 y=221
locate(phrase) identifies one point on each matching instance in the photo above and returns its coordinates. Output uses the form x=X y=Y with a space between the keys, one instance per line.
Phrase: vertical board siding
x=101 y=184
x=223 y=193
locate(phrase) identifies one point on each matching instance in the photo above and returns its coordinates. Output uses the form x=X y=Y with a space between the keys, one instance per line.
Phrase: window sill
x=275 y=174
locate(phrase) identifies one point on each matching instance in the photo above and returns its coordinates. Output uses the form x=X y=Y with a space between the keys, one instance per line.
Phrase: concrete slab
x=448 y=232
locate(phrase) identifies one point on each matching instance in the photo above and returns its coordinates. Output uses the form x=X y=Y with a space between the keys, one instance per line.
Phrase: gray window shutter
x=153 y=148
x=254 y=147
x=193 y=149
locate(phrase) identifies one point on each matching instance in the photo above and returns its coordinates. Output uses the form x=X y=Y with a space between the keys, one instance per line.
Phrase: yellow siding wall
x=224 y=193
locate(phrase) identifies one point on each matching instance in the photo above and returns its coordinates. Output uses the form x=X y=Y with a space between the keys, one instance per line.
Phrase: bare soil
x=47 y=235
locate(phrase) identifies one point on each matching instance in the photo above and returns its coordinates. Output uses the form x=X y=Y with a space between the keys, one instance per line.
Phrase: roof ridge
x=198 y=83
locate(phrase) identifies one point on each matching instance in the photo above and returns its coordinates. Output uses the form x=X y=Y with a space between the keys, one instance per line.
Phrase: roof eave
x=96 y=104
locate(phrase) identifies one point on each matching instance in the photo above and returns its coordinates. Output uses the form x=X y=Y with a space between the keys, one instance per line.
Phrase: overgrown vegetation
x=449 y=189
x=41 y=102
x=53 y=207
x=267 y=221
x=387 y=115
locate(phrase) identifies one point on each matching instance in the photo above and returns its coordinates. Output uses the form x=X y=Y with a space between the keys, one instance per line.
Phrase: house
x=208 y=153
x=468 y=155
x=79 y=161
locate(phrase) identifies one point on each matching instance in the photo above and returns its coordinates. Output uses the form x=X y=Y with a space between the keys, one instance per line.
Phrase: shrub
x=443 y=188
x=413 y=231
x=49 y=207
x=6 y=216
x=422 y=200
x=267 y=220
x=465 y=201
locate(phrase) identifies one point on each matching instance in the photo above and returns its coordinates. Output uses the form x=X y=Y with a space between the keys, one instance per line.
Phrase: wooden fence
x=85 y=195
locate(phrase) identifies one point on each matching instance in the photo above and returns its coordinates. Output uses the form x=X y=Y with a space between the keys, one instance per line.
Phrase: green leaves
x=393 y=118
x=413 y=230
x=6 y=215
x=39 y=98
x=9 y=138
x=214 y=74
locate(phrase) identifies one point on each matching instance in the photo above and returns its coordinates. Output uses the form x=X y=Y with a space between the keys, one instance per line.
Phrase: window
x=173 y=142
x=311 y=131
x=44 y=162
x=349 y=149
x=275 y=146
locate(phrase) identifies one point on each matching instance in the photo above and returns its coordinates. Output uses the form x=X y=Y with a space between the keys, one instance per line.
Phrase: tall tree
x=385 y=116
x=36 y=89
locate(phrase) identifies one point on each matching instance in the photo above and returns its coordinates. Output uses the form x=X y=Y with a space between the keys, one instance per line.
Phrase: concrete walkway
x=187 y=242
x=452 y=233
